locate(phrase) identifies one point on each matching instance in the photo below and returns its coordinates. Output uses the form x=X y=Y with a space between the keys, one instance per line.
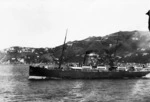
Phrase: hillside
x=128 y=46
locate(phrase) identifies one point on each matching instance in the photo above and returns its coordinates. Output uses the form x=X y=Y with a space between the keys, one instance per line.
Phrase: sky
x=43 y=23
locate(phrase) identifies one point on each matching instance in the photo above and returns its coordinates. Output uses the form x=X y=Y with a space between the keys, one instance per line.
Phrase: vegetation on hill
x=123 y=46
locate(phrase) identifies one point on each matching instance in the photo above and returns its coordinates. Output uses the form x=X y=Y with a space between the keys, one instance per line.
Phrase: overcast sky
x=43 y=23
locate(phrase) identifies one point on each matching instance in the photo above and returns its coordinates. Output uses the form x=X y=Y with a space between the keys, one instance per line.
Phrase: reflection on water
x=75 y=92
x=15 y=87
x=141 y=91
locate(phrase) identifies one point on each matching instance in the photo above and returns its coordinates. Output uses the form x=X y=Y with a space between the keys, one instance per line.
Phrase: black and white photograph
x=74 y=50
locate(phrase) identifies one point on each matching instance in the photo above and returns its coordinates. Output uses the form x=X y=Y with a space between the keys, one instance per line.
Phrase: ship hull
x=80 y=74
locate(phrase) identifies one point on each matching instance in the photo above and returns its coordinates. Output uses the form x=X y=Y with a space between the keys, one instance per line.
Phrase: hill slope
x=133 y=46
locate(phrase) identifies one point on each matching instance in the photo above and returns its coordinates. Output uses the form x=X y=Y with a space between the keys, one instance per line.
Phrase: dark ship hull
x=82 y=74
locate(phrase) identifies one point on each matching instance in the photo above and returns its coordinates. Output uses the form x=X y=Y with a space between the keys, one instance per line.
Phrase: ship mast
x=62 y=53
x=116 y=47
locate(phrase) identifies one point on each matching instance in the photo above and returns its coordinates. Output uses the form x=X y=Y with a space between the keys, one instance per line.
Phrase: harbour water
x=15 y=87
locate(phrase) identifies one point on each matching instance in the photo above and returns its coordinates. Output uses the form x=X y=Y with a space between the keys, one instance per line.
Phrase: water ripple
x=15 y=87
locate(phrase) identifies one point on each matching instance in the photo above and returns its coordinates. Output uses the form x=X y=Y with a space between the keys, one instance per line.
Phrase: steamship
x=90 y=69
